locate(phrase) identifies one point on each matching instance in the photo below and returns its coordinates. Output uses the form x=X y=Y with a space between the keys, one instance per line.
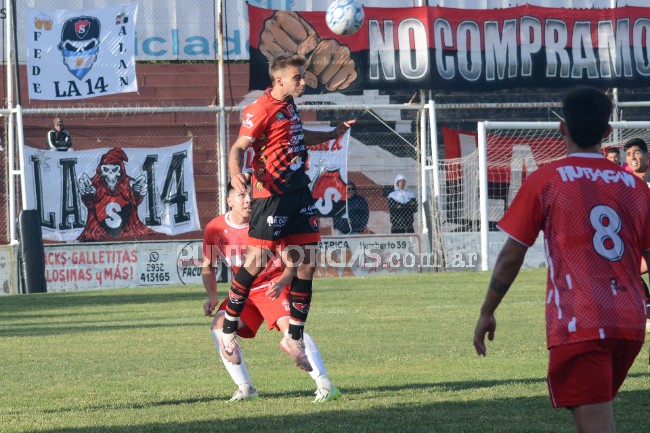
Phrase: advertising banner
x=74 y=267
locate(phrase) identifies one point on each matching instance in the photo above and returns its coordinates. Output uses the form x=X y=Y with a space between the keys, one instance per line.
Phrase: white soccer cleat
x=230 y=347
x=327 y=394
x=247 y=393
x=296 y=349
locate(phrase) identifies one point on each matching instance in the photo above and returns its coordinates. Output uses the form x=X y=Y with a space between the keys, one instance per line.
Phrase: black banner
x=459 y=49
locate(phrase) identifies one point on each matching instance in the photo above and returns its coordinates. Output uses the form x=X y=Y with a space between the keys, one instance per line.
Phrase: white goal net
x=477 y=188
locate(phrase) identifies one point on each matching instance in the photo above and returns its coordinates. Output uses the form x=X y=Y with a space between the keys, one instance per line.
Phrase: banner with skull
x=327 y=168
x=77 y=54
x=112 y=193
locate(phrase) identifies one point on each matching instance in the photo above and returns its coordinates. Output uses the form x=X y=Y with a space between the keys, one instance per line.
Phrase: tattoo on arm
x=498 y=286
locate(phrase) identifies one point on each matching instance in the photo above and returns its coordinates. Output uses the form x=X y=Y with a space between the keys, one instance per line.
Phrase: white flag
x=112 y=193
x=77 y=54
x=328 y=170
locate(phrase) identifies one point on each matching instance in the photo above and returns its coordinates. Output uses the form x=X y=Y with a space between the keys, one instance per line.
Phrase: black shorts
x=289 y=218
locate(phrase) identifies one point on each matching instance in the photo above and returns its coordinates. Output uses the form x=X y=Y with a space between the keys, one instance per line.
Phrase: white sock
x=239 y=373
x=318 y=372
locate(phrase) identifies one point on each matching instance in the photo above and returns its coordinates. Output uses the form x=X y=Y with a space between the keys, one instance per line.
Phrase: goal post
x=508 y=151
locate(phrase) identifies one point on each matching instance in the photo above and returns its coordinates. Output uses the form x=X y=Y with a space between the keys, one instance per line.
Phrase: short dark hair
x=283 y=61
x=639 y=142
x=230 y=188
x=586 y=115
x=612 y=149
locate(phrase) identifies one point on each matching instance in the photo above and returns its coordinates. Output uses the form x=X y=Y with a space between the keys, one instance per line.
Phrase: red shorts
x=589 y=372
x=260 y=308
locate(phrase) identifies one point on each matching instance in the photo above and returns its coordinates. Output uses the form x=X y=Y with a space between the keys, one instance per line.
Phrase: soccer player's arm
x=313 y=138
x=276 y=285
x=507 y=266
x=522 y=223
x=209 y=277
x=253 y=125
x=238 y=179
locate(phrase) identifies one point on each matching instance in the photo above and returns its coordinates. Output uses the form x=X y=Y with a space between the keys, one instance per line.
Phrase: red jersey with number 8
x=596 y=223
x=275 y=128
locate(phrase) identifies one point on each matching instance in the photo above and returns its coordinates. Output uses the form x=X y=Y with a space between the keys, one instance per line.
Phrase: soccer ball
x=344 y=17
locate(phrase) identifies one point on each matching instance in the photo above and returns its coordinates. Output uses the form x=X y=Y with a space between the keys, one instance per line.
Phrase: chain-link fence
x=129 y=129
x=383 y=145
x=385 y=142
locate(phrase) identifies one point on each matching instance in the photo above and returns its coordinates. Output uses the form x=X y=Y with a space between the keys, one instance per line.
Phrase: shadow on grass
x=52 y=329
x=17 y=307
x=520 y=415
x=37 y=314
x=349 y=392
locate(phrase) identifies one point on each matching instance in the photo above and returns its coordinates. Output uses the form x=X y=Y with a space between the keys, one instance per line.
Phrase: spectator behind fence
x=58 y=138
x=354 y=217
x=402 y=204
x=613 y=155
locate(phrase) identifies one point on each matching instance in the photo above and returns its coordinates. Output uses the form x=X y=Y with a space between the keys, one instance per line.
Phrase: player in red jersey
x=613 y=154
x=596 y=223
x=225 y=239
x=636 y=157
x=282 y=209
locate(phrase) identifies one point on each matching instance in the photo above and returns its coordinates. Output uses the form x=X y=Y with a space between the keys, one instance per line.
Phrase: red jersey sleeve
x=523 y=219
x=254 y=120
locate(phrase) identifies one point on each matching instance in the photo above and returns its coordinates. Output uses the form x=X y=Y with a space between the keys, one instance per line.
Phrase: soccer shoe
x=296 y=349
x=230 y=347
x=325 y=394
x=248 y=393
x=647 y=326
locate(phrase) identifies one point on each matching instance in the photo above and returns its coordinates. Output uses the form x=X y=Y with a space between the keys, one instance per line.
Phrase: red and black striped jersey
x=275 y=129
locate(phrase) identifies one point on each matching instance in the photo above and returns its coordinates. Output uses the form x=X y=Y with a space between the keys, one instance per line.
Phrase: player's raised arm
x=506 y=269
x=238 y=179
x=317 y=137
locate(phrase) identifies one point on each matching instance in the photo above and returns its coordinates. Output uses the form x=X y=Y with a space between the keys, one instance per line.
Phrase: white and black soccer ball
x=344 y=17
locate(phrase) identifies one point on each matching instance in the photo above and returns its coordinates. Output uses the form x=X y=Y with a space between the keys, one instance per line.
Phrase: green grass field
x=398 y=347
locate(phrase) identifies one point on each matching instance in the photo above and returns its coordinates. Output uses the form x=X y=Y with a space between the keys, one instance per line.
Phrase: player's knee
x=282 y=324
